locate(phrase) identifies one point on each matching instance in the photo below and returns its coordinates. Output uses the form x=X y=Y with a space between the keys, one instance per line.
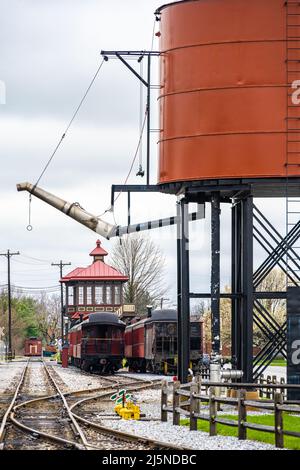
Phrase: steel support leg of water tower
x=242 y=282
x=247 y=301
x=184 y=358
x=179 y=315
x=215 y=274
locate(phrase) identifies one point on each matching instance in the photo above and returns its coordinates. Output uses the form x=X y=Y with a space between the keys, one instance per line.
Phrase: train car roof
x=163 y=315
x=101 y=318
x=108 y=318
x=169 y=315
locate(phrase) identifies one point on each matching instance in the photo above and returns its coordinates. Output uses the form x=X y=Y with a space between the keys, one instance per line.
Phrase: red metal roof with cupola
x=98 y=270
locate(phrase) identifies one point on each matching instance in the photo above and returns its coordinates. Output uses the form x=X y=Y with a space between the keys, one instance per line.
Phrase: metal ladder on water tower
x=293 y=135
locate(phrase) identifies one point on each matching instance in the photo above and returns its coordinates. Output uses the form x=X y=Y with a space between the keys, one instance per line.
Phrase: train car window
x=171 y=329
x=89 y=299
x=160 y=329
x=80 y=295
x=195 y=343
x=159 y=345
x=99 y=295
x=116 y=333
x=195 y=329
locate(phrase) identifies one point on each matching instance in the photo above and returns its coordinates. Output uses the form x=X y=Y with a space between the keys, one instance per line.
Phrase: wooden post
x=269 y=380
x=176 y=399
x=164 y=401
x=274 y=381
x=261 y=382
x=193 y=406
x=279 y=438
x=284 y=391
x=212 y=412
x=242 y=417
x=199 y=383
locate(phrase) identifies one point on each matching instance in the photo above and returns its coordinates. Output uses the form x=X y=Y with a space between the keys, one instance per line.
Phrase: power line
x=29 y=226
x=36 y=288
x=70 y=123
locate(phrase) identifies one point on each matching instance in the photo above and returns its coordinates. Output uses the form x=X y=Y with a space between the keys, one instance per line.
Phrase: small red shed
x=33 y=347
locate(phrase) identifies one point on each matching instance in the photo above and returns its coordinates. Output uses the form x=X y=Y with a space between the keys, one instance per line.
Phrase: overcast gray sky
x=49 y=51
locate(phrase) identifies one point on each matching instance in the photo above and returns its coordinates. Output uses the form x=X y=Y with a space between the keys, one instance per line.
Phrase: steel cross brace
x=276 y=247
x=278 y=252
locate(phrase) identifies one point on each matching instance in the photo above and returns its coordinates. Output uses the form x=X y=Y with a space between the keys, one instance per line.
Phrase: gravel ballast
x=9 y=374
x=75 y=379
x=182 y=436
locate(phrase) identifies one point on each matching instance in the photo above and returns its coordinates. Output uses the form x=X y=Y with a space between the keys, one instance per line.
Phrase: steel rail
x=66 y=406
x=13 y=400
x=121 y=434
x=28 y=429
x=78 y=431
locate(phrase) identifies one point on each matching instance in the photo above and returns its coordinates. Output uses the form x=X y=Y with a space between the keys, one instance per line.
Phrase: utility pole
x=8 y=256
x=61 y=265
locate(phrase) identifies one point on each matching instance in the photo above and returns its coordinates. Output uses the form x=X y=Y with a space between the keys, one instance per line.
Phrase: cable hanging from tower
x=29 y=226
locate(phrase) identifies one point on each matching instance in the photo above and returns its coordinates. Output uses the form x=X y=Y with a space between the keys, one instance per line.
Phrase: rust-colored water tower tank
x=227 y=69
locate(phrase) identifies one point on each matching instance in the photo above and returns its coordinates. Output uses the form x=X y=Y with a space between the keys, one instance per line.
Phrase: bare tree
x=48 y=316
x=141 y=260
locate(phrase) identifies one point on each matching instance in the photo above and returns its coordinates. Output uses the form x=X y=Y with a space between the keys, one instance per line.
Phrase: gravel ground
x=75 y=379
x=180 y=435
x=9 y=373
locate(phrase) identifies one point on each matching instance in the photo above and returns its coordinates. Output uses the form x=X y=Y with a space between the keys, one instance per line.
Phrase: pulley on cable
x=29 y=226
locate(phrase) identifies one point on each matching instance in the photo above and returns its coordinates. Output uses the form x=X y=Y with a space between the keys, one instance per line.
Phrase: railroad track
x=49 y=421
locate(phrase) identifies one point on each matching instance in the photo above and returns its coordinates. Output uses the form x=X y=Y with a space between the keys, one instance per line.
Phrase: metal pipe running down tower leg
x=179 y=314
x=184 y=360
x=215 y=274
x=235 y=284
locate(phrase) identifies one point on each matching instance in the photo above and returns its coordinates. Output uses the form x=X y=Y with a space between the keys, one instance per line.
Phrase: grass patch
x=290 y=423
x=276 y=363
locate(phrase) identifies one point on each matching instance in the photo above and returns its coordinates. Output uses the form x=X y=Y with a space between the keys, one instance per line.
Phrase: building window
x=89 y=299
x=70 y=295
x=108 y=295
x=117 y=294
x=99 y=295
x=80 y=295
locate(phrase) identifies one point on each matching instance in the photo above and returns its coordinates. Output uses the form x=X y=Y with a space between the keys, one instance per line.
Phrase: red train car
x=98 y=343
x=151 y=343
x=33 y=346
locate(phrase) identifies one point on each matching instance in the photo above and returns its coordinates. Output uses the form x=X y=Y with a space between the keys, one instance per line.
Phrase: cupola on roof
x=98 y=251
x=97 y=271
